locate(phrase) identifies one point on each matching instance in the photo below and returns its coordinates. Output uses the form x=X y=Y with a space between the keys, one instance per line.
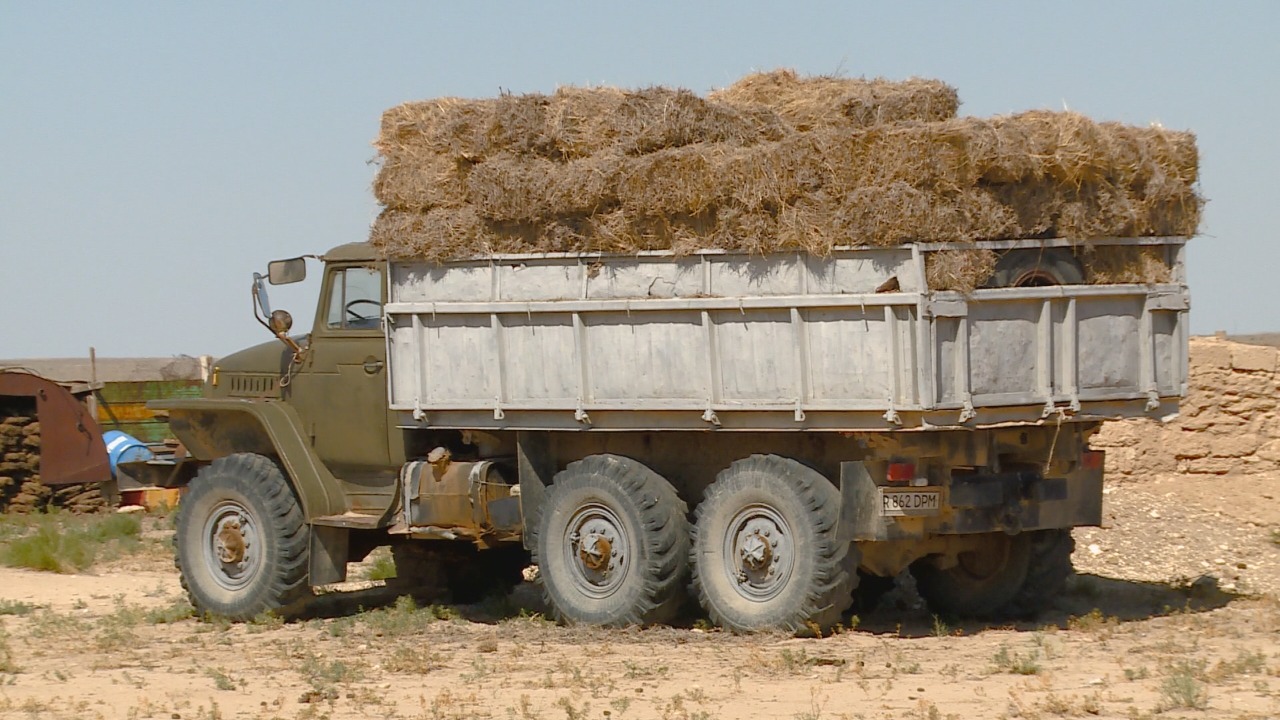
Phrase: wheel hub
x=597 y=550
x=229 y=544
x=756 y=552
x=759 y=552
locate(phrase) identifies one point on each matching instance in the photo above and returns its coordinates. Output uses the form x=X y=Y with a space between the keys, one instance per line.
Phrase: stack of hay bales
x=20 y=486
x=774 y=162
x=21 y=490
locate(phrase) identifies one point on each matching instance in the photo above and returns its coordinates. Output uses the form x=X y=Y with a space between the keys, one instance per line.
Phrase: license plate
x=899 y=503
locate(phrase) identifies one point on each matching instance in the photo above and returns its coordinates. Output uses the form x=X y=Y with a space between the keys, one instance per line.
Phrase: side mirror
x=283 y=272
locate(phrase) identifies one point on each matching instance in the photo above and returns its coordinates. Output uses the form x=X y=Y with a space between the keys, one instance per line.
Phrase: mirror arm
x=261 y=312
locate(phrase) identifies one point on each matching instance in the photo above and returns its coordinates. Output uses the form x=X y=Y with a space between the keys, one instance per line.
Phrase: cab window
x=355 y=299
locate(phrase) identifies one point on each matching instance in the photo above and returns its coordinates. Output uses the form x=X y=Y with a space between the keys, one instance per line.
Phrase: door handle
x=372 y=366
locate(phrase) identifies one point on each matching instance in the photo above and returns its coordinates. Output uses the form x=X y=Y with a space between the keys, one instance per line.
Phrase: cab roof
x=359 y=251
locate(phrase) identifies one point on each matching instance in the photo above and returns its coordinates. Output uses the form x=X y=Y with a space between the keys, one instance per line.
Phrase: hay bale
x=422 y=181
x=1115 y=264
x=774 y=162
x=513 y=189
x=962 y=270
x=435 y=236
x=825 y=101
x=572 y=123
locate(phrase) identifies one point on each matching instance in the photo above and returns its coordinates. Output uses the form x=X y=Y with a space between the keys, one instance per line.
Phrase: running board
x=354 y=521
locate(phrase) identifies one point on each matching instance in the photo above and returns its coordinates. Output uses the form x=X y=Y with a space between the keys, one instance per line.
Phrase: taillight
x=1092 y=459
x=901 y=472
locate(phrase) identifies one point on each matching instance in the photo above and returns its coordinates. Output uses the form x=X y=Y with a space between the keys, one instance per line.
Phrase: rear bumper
x=1002 y=502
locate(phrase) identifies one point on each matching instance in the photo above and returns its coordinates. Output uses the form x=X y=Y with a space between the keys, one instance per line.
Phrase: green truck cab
x=295 y=457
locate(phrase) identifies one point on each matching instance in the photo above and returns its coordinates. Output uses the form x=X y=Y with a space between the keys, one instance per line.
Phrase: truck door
x=340 y=390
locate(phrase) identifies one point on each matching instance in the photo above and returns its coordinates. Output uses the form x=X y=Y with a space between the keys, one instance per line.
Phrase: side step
x=352 y=520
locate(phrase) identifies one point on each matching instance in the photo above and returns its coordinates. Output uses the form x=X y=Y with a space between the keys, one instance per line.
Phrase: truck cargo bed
x=788 y=341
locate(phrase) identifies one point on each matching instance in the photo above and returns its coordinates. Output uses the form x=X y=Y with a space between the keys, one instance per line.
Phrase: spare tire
x=1036 y=267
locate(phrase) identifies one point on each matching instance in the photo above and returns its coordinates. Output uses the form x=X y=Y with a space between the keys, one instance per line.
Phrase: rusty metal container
x=452 y=500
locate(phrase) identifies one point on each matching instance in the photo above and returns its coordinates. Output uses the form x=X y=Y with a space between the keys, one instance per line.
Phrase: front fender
x=214 y=428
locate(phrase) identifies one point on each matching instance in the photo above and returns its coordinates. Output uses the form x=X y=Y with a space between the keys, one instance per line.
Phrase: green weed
x=325 y=675
x=403 y=618
x=61 y=543
x=383 y=568
x=1182 y=687
x=221 y=679
x=7 y=665
x=1017 y=663
x=1245 y=663
x=413 y=660
x=176 y=611
x=16 y=607
x=940 y=627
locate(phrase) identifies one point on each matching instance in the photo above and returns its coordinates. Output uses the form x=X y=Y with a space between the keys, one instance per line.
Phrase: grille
x=254 y=386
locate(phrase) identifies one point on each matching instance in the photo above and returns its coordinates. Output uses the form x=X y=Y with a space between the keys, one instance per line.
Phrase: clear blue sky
x=153 y=155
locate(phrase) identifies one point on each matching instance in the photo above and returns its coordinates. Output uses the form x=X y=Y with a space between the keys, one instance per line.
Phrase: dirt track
x=1168 y=635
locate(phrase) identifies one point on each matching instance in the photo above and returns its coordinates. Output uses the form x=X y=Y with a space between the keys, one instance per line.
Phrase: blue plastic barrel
x=123 y=447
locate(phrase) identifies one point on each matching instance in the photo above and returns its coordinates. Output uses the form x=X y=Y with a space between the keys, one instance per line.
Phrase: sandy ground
x=1176 y=613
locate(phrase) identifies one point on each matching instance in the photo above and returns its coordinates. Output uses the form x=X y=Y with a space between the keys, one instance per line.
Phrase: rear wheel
x=765 y=551
x=1009 y=577
x=612 y=544
x=1047 y=572
x=241 y=540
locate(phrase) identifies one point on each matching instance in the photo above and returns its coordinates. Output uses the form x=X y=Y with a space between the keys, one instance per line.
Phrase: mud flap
x=858 y=517
x=535 y=469
x=328 y=562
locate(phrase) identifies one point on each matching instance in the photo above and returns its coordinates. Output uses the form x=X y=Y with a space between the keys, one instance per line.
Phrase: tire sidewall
x=1057 y=264
x=956 y=591
x=736 y=611
x=566 y=498
x=208 y=491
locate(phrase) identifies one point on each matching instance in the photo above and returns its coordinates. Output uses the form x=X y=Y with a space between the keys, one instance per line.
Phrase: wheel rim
x=1036 y=278
x=232 y=547
x=596 y=550
x=987 y=564
x=758 y=552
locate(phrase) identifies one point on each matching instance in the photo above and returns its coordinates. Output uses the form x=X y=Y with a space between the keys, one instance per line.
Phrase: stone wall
x=1229 y=421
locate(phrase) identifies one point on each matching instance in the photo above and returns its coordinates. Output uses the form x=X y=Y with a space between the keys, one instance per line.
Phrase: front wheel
x=612 y=544
x=241 y=539
x=766 y=554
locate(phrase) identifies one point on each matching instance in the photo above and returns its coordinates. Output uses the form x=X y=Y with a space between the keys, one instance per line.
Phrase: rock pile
x=1229 y=421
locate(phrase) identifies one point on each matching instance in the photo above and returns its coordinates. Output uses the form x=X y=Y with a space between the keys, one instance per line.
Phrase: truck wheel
x=765 y=554
x=982 y=583
x=612 y=545
x=241 y=539
x=1047 y=572
x=1037 y=268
